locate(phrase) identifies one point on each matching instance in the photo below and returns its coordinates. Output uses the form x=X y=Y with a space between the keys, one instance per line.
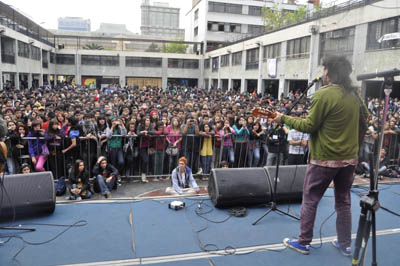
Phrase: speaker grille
x=29 y=194
x=238 y=187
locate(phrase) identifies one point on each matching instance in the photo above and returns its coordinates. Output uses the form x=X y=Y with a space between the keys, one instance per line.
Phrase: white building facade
x=216 y=22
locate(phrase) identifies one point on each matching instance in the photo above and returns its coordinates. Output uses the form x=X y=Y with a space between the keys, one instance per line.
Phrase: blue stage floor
x=166 y=237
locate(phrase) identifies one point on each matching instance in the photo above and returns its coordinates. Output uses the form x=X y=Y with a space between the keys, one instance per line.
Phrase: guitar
x=258 y=112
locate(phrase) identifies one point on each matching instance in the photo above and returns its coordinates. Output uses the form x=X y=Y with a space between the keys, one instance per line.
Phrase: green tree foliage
x=275 y=17
x=93 y=46
x=178 y=48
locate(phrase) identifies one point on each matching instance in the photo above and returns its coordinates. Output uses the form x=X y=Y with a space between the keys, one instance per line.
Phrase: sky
x=46 y=12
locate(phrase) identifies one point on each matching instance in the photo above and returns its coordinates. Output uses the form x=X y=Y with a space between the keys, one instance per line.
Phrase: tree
x=275 y=17
x=153 y=48
x=178 y=48
x=93 y=46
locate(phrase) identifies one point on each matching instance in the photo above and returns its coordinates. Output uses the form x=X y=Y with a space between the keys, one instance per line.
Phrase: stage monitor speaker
x=290 y=182
x=228 y=187
x=27 y=194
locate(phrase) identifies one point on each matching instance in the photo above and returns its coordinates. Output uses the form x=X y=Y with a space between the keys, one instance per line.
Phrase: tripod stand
x=272 y=204
x=370 y=203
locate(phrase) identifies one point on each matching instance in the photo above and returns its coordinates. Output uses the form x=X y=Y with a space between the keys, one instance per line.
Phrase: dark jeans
x=316 y=182
x=105 y=187
x=116 y=158
x=240 y=154
x=295 y=159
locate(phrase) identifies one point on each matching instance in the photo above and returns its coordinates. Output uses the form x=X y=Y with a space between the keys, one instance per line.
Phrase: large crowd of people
x=143 y=131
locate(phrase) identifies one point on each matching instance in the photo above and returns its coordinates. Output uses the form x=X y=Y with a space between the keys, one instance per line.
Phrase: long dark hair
x=339 y=70
x=50 y=129
x=76 y=168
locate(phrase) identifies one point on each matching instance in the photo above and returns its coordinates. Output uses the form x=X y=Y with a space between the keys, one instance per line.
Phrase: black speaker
x=27 y=194
x=290 y=182
x=229 y=187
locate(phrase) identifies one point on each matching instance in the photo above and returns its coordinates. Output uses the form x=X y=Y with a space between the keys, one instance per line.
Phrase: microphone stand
x=272 y=204
x=370 y=203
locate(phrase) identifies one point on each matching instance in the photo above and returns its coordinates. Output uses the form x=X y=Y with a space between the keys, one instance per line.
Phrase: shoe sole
x=335 y=244
x=294 y=248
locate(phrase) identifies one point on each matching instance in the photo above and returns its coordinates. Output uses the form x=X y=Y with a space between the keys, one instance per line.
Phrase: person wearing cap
x=182 y=180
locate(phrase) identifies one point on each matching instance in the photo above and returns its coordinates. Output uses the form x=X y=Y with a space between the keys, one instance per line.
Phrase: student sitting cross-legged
x=183 y=182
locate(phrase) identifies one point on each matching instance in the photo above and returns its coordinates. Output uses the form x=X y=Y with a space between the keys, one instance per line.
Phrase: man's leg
x=343 y=182
x=102 y=185
x=316 y=182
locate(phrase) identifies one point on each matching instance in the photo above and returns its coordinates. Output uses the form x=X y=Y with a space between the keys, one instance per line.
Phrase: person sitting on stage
x=182 y=180
x=79 y=182
x=106 y=176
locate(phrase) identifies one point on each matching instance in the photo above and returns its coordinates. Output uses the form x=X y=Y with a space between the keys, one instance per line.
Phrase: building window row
x=337 y=42
x=215 y=64
x=65 y=59
x=35 y=53
x=143 y=62
x=272 y=51
x=377 y=29
x=23 y=49
x=252 y=56
x=52 y=58
x=298 y=48
x=255 y=10
x=183 y=63
x=237 y=59
x=225 y=8
x=225 y=60
x=196 y=31
x=224 y=27
x=99 y=60
x=207 y=63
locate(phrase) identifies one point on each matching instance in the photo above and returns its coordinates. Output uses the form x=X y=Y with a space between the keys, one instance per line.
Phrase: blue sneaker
x=294 y=244
x=345 y=251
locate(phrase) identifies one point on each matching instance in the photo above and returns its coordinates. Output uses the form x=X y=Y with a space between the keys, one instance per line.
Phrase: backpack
x=61 y=186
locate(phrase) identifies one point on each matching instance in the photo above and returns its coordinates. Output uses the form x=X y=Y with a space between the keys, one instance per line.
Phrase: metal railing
x=139 y=155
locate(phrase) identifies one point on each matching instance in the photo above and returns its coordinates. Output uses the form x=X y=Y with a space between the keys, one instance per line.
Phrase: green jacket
x=332 y=122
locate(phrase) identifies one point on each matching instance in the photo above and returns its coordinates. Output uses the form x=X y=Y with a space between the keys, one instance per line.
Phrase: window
x=337 y=42
x=35 y=53
x=215 y=64
x=224 y=8
x=252 y=56
x=298 y=48
x=45 y=60
x=237 y=59
x=224 y=27
x=52 y=58
x=23 y=49
x=225 y=60
x=196 y=31
x=65 y=59
x=377 y=29
x=272 y=51
x=255 y=10
x=99 y=60
x=142 y=61
x=255 y=29
x=196 y=14
x=183 y=63
x=207 y=63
